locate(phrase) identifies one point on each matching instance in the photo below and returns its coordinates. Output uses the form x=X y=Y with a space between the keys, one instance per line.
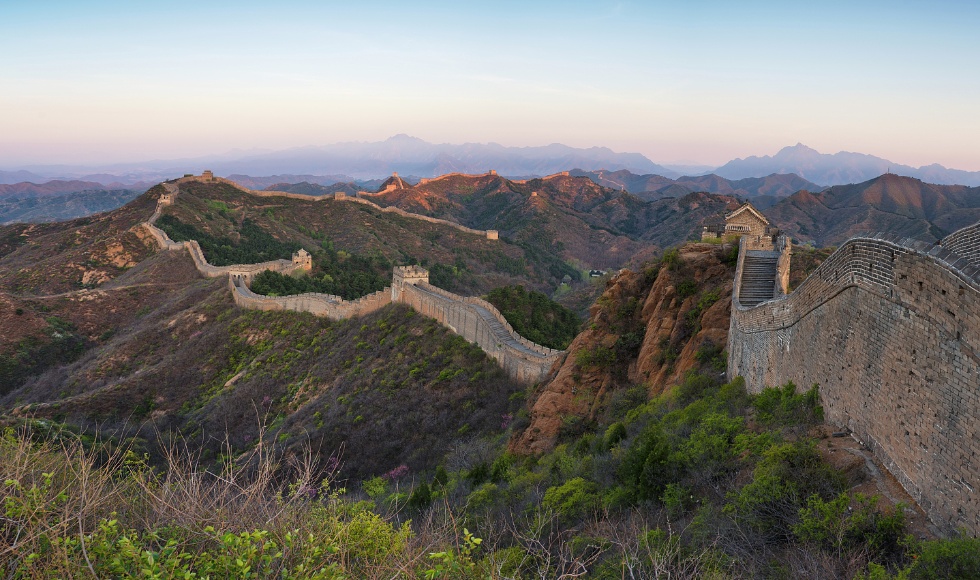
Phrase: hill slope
x=585 y=223
x=888 y=203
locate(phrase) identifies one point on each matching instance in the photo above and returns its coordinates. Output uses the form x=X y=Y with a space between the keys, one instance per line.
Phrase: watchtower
x=207 y=176
x=302 y=260
x=406 y=275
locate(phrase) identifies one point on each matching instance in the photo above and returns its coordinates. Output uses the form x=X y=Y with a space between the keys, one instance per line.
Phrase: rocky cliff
x=649 y=328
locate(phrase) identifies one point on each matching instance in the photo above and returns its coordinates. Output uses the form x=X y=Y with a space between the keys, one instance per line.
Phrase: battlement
x=411 y=274
x=474 y=319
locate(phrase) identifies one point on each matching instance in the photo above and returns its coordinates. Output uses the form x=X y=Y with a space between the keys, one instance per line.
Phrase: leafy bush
x=598 y=357
x=782 y=483
x=573 y=499
x=783 y=406
x=535 y=316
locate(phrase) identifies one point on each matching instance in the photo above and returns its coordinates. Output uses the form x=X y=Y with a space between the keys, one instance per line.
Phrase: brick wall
x=890 y=329
x=965 y=242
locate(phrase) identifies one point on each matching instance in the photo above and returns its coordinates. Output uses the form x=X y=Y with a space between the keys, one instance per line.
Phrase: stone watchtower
x=302 y=260
x=207 y=176
x=404 y=275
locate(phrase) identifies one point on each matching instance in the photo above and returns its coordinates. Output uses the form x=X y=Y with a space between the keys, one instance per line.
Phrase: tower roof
x=749 y=208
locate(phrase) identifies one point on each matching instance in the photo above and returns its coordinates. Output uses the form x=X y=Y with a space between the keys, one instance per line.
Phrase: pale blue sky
x=701 y=81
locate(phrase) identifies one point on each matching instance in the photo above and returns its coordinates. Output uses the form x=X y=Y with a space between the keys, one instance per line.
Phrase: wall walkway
x=472 y=318
x=890 y=329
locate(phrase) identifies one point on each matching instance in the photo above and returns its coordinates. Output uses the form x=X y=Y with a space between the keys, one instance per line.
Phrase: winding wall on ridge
x=489 y=234
x=890 y=329
x=474 y=319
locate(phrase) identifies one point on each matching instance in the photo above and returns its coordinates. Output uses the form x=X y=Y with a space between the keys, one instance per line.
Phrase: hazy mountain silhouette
x=839 y=168
x=763 y=191
x=412 y=156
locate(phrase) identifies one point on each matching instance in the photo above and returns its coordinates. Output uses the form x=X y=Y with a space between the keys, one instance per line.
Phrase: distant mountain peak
x=839 y=168
x=403 y=138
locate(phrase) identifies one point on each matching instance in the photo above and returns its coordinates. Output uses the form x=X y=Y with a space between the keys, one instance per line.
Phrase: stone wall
x=890 y=329
x=489 y=234
x=965 y=242
x=479 y=322
x=329 y=306
x=474 y=319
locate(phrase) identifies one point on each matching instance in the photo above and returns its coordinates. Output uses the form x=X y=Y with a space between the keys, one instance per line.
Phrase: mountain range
x=764 y=191
x=839 y=168
x=407 y=155
x=888 y=203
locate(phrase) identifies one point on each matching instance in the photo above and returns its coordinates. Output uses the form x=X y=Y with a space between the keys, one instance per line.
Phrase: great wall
x=472 y=318
x=888 y=327
x=890 y=330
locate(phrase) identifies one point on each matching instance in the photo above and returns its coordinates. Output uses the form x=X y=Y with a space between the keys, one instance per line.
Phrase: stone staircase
x=758 y=277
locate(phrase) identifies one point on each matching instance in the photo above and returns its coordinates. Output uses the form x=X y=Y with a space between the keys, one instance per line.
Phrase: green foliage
x=598 y=357
x=784 y=407
x=421 y=497
x=614 y=434
x=455 y=564
x=375 y=487
x=573 y=499
x=707 y=299
x=782 y=483
x=710 y=354
x=255 y=245
x=535 y=316
x=838 y=526
x=349 y=276
x=686 y=287
x=671 y=259
x=644 y=467
x=730 y=257
x=958 y=558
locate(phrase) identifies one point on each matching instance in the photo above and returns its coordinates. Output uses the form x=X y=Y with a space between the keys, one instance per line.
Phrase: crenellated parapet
x=472 y=318
x=890 y=329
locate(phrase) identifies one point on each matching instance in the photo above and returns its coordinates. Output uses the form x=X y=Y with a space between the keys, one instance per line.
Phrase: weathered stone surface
x=891 y=333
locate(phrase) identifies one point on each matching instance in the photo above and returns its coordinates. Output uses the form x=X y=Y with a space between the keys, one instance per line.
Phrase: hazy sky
x=700 y=81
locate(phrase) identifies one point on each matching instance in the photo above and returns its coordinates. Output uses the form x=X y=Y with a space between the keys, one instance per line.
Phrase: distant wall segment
x=208 y=178
x=890 y=329
x=474 y=319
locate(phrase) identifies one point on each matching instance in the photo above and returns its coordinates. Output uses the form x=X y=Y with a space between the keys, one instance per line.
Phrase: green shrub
x=644 y=465
x=421 y=497
x=598 y=357
x=614 y=434
x=535 y=316
x=782 y=482
x=958 y=558
x=784 y=407
x=573 y=499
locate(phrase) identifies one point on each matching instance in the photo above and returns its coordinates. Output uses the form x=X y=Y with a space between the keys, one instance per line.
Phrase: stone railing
x=890 y=329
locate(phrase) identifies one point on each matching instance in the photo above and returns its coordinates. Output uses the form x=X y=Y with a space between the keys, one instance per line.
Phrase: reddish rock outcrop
x=673 y=312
